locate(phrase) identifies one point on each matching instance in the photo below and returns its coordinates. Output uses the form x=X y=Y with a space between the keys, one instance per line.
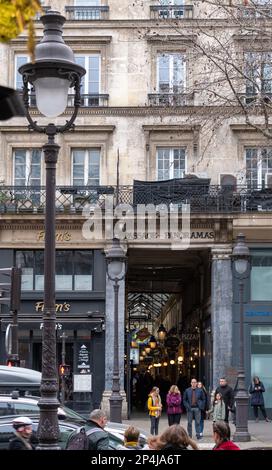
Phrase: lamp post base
x=241 y=436
x=241 y=433
x=116 y=407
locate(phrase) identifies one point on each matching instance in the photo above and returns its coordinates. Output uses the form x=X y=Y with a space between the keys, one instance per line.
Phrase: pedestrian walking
x=218 y=409
x=173 y=401
x=154 y=406
x=227 y=395
x=221 y=437
x=256 y=391
x=22 y=434
x=206 y=407
x=194 y=402
x=98 y=437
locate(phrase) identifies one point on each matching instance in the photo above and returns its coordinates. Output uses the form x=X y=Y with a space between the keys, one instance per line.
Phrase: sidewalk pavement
x=261 y=433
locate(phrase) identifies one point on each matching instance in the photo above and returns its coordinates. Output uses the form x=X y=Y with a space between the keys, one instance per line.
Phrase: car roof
x=9 y=398
x=19 y=377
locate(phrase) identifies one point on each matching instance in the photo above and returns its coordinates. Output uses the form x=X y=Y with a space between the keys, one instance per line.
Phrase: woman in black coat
x=256 y=391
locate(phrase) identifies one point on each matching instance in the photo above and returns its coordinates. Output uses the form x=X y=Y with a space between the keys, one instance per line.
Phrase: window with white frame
x=258 y=166
x=20 y=59
x=259 y=72
x=91 y=81
x=171 y=163
x=27 y=167
x=171 y=69
x=86 y=167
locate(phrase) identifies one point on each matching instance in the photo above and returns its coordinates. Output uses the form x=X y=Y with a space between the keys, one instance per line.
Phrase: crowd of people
x=194 y=401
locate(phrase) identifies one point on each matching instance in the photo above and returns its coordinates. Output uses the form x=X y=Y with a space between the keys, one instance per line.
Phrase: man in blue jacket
x=194 y=402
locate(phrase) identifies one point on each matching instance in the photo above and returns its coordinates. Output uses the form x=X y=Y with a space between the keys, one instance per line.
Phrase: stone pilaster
x=222 y=297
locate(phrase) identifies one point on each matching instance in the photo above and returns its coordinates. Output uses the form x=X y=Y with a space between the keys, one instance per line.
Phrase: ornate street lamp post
x=241 y=267
x=116 y=271
x=52 y=74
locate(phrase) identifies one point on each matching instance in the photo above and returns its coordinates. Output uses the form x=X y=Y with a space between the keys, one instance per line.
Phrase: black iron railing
x=202 y=198
x=170 y=99
x=91 y=100
x=251 y=12
x=171 y=12
x=255 y=98
x=87 y=13
x=45 y=9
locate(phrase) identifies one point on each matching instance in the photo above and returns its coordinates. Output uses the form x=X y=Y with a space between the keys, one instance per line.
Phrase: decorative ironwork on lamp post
x=116 y=271
x=52 y=74
x=241 y=268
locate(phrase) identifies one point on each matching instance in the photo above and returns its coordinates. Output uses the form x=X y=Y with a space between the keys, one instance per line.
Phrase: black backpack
x=78 y=441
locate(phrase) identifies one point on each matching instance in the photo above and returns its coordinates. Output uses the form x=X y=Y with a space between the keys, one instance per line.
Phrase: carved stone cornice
x=171 y=38
x=171 y=127
x=78 y=128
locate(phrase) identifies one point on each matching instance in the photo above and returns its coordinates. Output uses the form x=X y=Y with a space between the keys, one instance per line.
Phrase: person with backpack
x=98 y=437
x=93 y=437
x=131 y=439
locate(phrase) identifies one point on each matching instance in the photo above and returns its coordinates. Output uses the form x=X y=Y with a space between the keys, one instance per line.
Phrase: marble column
x=109 y=338
x=222 y=300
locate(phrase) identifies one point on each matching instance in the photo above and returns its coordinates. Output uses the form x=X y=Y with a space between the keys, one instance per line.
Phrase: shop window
x=261 y=275
x=74 y=270
x=261 y=358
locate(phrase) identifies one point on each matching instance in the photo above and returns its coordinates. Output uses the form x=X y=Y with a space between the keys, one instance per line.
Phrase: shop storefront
x=80 y=312
x=257 y=321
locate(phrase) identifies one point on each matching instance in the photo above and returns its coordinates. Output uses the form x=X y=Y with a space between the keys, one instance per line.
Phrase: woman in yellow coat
x=154 y=406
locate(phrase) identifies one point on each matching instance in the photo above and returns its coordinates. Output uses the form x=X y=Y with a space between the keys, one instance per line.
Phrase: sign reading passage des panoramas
x=83 y=359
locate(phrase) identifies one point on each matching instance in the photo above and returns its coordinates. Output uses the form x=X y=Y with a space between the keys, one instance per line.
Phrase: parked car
x=21 y=379
x=69 y=421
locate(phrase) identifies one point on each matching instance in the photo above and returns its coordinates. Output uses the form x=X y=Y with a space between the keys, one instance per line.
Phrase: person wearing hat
x=22 y=434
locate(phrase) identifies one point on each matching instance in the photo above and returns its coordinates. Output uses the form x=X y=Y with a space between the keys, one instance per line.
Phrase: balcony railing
x=202 y=198
x=255 y=99
x=257 y=11
x=87 y=13
x=165 y=12
x=91 y=100
x=170 y=99
x=45 y=9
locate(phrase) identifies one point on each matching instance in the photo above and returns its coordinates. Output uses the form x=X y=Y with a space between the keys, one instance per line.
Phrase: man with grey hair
x=98 y=437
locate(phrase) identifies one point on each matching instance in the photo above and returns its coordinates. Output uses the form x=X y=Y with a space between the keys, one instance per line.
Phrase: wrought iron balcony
x=45 y=9
x=254 y=99
x=170 y=99
x=91 y=100
x=87 y=13
x=257 y=11
x=202 y=198
x=175 y=12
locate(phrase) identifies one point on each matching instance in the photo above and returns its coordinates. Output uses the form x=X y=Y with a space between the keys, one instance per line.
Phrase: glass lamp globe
x=51 y=95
